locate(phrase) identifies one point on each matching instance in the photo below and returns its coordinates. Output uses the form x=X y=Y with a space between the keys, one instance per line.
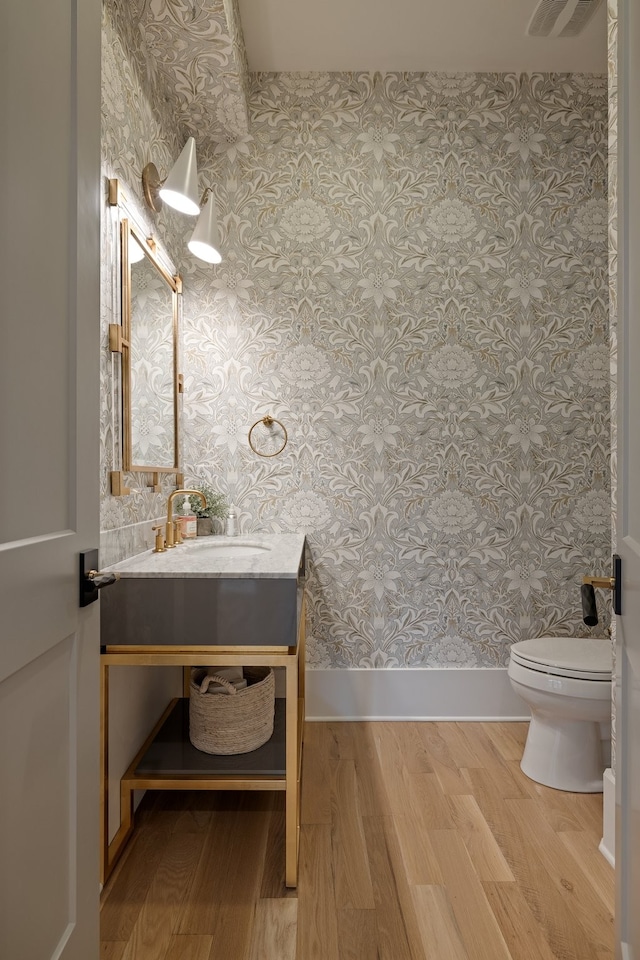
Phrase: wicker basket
x=235 y=722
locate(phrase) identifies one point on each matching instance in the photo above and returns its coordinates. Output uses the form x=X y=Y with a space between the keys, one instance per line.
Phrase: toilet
x=566 y=682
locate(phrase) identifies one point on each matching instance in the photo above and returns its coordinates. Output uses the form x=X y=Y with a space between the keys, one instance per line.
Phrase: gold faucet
x=170 y=539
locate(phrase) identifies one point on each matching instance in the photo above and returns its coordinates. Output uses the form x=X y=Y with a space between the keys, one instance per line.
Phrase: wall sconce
x=205 y=240
x=180 y=191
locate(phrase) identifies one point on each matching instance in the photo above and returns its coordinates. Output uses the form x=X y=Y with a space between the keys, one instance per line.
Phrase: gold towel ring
x=268 y=422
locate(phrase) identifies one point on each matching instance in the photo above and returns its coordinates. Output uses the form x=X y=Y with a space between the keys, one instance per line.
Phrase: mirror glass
x=149 y=358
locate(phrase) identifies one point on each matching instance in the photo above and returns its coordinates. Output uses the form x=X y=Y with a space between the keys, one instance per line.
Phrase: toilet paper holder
x=610 y=583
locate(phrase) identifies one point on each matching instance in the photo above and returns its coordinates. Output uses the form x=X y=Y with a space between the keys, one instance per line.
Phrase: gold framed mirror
x=149 y=347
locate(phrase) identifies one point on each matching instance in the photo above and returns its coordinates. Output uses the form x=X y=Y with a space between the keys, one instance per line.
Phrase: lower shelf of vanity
x=168 y=759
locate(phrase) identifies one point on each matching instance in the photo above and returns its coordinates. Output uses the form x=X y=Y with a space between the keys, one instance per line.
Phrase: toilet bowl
x=566 y=682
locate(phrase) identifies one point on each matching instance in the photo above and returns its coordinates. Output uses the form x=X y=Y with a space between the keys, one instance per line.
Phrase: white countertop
x=251 y=556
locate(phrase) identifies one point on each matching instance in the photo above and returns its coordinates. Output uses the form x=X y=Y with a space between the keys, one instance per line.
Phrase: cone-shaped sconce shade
x=205 y=242
x=180 y=189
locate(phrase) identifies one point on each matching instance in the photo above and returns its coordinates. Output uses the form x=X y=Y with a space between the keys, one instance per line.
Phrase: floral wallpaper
x=415 y=283
x=190 y=56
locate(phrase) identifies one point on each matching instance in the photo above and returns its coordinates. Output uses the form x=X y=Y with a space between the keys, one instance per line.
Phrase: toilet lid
x=580 y=657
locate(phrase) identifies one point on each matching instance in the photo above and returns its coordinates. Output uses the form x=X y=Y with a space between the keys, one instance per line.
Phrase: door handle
x=100 y=580
x=610 y=583
x=91 y=578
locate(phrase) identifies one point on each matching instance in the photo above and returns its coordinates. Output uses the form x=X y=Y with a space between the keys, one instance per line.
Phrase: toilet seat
x=575 y=657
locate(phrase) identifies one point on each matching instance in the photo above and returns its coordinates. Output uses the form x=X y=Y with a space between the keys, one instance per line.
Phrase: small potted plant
x=216 y=508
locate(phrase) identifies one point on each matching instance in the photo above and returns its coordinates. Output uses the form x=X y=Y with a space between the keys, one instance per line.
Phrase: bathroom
x=415 y=283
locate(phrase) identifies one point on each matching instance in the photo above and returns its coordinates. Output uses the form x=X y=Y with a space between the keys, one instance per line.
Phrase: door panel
x=628 y=532
x=36 y=704
x=38 y=236
x=49 y=473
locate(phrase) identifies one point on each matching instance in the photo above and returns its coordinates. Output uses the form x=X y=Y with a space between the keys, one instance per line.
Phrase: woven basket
x=234 y=722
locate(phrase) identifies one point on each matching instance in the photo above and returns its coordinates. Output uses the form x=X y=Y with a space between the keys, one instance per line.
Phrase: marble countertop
x=251 y=556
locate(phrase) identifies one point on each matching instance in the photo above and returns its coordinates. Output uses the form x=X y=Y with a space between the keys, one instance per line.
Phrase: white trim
x=608 y=843
x=418 y=693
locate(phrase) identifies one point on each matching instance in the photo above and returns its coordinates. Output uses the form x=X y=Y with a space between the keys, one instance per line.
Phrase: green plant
x=217 y=505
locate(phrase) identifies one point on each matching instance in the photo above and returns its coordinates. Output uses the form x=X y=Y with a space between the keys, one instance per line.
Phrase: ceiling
x=422 y=35
x=197 y=54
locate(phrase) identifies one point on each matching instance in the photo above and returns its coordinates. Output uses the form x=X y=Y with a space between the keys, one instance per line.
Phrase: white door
x=628 y=625
x=49 y=469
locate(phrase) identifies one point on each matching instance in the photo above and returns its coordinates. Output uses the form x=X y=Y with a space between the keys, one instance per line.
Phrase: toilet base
x=564 y=754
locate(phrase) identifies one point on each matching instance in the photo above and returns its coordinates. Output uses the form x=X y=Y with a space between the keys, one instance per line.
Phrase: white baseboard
x=413 y=694
x=608 y=842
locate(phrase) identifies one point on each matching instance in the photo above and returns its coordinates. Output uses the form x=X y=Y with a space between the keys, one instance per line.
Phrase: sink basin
x=252 y=556
x=227 y=548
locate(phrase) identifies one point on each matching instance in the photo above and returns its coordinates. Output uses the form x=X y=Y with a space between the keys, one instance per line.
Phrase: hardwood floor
x=419 y=841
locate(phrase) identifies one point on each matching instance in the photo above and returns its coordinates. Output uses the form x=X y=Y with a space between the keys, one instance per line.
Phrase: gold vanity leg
x=302 y=635
x=117 y=845
x=126 y=810
x=302 y=712
x=109 y=852
x=292 y=810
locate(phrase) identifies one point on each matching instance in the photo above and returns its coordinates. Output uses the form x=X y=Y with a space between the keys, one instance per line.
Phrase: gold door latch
x=610 y=583
x=604 y=583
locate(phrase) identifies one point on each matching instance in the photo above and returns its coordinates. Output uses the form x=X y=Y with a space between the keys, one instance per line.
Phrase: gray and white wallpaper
x=193 y=57
x=415 y=283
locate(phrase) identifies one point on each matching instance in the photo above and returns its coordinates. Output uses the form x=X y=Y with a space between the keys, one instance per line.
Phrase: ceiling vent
x=561 y=18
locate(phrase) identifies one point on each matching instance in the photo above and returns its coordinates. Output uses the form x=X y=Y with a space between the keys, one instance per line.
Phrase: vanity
x=212 y=601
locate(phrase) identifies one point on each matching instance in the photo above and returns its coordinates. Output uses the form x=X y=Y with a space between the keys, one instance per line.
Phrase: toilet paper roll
x=589 y=611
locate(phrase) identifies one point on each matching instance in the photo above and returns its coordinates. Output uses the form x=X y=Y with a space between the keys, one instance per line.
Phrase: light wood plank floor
x=419 y=841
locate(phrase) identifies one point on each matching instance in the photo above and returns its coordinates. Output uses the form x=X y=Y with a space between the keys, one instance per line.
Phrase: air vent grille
x=561 y=18
x=544 y=17
x=583 y=12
